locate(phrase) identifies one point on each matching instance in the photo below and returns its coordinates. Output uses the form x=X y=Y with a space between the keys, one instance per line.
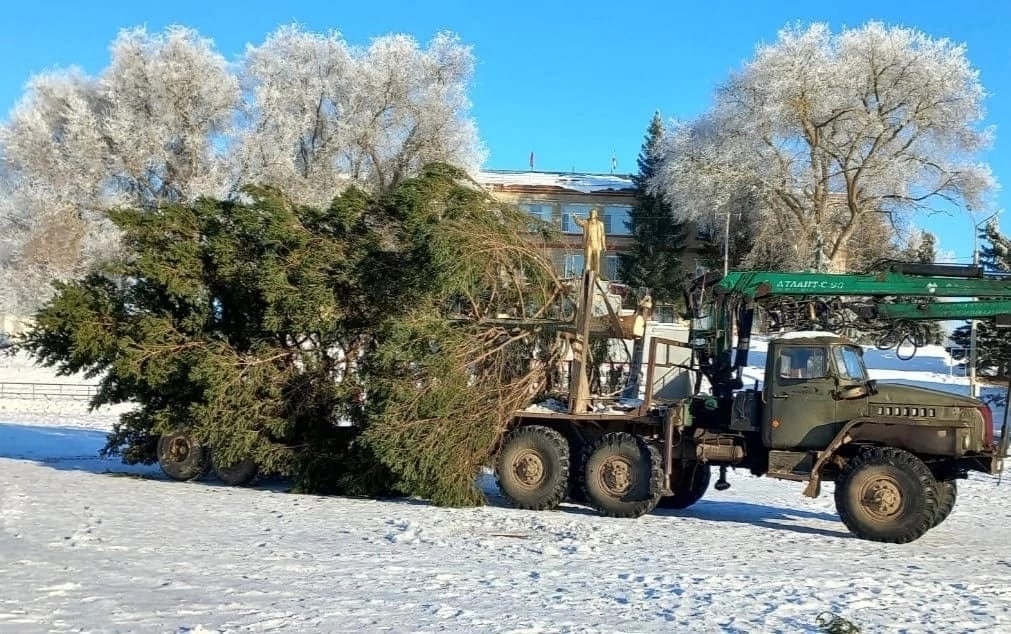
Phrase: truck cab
x=817 y=385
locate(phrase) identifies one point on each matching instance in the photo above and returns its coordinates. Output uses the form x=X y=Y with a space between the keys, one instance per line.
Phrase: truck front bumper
x=991 y=461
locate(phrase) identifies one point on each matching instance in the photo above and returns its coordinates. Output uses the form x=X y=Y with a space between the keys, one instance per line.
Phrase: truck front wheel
x=533 y=468
x=623 y=475
x=886 y=495
x=692 y=483
x=181 y=457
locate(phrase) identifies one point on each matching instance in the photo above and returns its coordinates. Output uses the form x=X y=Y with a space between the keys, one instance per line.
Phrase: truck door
x=800 y=408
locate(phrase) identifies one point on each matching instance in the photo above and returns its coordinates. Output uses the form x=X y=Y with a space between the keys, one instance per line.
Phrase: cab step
x=791 y=465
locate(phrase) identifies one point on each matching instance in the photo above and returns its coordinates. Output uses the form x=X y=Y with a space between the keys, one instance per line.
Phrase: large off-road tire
x=577 y=459
x=238 y=474
x=623 y=475
x=692 y=483
x=947 y=493
x=181 y=457
x=533 y=468
x=886 y=495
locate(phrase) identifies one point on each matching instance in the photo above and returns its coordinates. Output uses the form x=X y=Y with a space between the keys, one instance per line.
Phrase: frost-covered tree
x=324 y=113
x=825 y=129
x=170 y=120
x=148 y=130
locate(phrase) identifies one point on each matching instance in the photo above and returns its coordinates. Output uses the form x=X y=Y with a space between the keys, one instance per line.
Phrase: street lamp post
x=973 y=327
x=726 y=246
x=974 y=323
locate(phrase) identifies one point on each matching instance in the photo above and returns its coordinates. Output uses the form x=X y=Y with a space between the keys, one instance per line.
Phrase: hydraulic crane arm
x=945 y=311
x=890 y=283
x=722 y=306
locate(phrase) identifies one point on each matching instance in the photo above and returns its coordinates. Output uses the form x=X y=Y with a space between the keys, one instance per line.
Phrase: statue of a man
x=594 y=243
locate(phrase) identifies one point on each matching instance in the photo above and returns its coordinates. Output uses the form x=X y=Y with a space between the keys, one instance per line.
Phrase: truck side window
x=849 y=363
x=803 y=363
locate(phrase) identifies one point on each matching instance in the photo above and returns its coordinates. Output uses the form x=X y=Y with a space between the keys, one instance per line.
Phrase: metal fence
x=48 y=391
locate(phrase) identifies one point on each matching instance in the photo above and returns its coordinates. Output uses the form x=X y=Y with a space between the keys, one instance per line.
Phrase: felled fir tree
x=263 y=328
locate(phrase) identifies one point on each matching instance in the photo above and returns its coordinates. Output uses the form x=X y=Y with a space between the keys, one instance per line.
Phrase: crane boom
x=724 y=305
x=759 y=284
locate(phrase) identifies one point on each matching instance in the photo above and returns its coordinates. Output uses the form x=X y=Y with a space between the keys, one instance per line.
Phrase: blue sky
x=571 y=82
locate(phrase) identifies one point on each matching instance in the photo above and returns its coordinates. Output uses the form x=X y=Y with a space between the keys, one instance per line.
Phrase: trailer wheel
x=947 y=493
x=887 y=495
x=623 y=475
x=533 y=468
x=691 y=485
x=238 y=474
x=181 y=457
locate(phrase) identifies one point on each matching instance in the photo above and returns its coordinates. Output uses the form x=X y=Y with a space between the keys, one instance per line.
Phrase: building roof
x=571 y=181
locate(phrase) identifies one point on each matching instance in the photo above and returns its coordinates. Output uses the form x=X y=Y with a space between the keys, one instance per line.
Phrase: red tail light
x=987 y=424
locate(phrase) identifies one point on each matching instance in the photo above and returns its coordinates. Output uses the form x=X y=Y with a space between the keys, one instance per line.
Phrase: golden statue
x=594 y=243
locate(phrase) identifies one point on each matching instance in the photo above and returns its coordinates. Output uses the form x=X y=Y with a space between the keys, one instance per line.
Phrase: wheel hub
x=179 y=449
x=529 y=469
x=882 y=497
x=616 y=476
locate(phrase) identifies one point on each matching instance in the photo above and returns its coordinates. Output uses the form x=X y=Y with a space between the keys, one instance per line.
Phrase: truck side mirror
x=852 y=391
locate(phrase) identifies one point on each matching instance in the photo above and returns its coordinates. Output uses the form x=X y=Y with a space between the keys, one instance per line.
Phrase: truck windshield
x=850 y=363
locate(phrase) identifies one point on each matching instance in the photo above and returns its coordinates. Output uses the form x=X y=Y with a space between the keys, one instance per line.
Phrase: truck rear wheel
x=181 y=457
x=533 y=468
x=577 y=471
x=623 y=475
x=692 y=483
x=238 y=474
x=947 y=493
x=886 y=495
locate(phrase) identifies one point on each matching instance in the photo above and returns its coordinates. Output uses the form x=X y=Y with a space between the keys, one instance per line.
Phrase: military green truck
x=894 y=452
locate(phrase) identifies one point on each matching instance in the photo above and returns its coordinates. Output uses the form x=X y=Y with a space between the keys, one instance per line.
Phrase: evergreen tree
x=262 y=328
x=927 y=251
x=924 y=250
x=993 y=345
x=655 y=259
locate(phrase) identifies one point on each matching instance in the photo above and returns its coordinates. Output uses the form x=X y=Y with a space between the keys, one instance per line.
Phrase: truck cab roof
x=811 y=337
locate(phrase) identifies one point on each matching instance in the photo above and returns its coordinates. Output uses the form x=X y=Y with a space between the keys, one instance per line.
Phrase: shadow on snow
x=760 y=515
x=65 y=449
x=765 y=516
x=76 y=449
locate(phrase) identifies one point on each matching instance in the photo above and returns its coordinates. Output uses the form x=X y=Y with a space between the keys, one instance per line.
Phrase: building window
x=580 y=210
x=610 y=267
x=700 y=267
x=541 y=211
x=617 y=220
x=573 y=266
x=703 y=231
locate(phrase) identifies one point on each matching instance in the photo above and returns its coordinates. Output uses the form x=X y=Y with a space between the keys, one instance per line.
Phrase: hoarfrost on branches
x=820 y=130
x=170 y=119
x=325 y=113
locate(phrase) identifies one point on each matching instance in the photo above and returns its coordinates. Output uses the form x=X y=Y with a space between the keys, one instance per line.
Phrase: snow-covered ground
x=92 y=545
